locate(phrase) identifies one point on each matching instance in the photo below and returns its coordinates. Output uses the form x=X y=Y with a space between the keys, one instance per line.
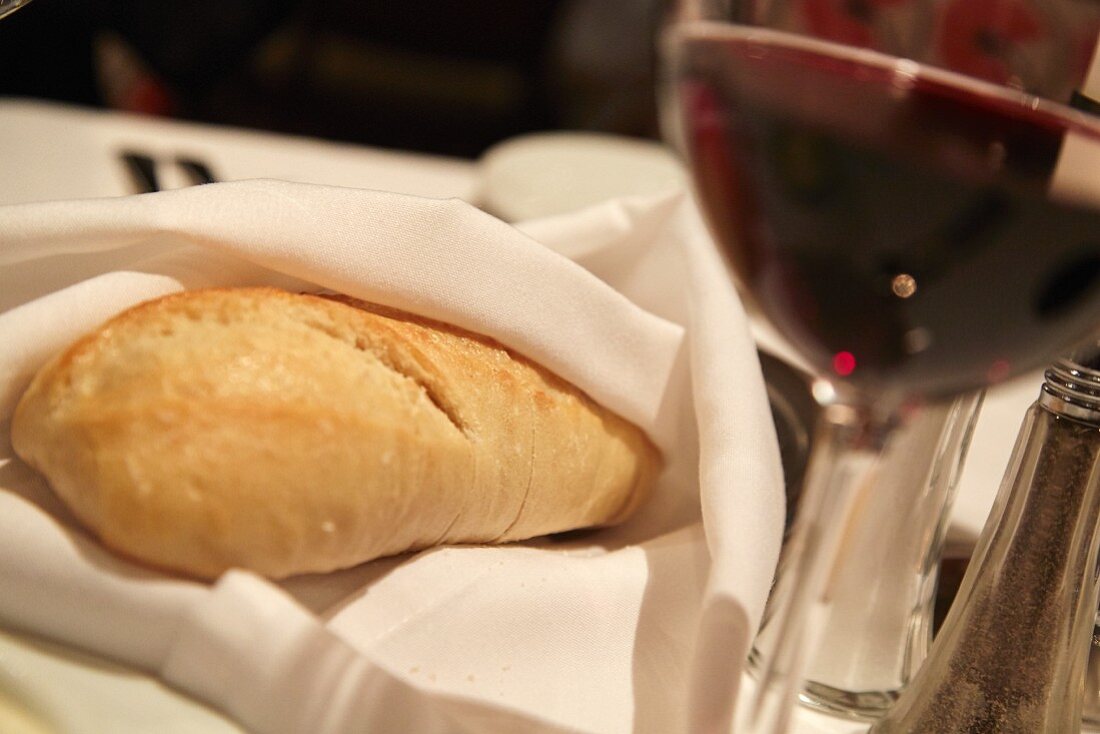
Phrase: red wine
x=897 y=223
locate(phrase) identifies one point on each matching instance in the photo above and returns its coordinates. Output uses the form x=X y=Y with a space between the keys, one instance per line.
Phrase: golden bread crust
x=289 y=433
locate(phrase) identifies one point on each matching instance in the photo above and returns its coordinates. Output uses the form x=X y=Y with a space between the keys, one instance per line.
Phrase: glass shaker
x=1012 y=654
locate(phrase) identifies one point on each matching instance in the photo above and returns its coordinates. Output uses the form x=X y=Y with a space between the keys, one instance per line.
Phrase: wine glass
x=897 y=186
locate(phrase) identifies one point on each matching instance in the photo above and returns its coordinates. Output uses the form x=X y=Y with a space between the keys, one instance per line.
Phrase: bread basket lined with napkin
x=643 y=627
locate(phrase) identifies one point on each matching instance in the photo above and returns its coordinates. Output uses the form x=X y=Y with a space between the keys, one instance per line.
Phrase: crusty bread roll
x=289 y=434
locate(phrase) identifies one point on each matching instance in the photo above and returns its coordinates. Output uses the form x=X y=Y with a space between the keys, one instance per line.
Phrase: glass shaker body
x=1012 y=653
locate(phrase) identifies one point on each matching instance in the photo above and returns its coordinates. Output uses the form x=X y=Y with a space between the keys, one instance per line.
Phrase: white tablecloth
x=55 y=152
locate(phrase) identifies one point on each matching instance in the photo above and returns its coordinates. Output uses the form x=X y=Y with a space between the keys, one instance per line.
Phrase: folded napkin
x=639 y=628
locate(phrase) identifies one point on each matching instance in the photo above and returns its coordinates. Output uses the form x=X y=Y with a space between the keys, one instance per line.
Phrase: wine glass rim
x=898 y=65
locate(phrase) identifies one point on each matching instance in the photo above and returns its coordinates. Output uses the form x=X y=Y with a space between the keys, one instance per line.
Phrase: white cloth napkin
x=639 y=628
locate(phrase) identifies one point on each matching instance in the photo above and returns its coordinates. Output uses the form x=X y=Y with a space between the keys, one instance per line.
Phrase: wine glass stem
x=848 y=444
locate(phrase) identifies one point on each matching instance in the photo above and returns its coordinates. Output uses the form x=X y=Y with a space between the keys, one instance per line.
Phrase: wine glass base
x=867 y=706
x=857 y=705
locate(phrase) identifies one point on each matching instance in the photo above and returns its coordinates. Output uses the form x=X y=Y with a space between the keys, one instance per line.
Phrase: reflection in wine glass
x=883 y=191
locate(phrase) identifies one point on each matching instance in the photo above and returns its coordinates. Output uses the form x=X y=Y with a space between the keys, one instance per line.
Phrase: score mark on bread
x=289 y=434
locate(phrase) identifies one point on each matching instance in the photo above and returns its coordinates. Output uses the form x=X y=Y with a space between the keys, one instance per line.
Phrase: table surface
x=52 y=151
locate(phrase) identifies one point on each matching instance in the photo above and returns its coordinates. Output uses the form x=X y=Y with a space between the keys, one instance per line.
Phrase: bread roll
x=290 y=434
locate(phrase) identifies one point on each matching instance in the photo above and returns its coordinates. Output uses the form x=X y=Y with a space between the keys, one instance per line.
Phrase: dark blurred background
x=428 y=75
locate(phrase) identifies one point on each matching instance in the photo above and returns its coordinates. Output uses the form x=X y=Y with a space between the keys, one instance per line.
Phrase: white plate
x=543 y=174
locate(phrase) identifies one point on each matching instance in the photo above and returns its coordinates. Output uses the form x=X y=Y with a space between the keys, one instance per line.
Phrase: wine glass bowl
x=896 y=222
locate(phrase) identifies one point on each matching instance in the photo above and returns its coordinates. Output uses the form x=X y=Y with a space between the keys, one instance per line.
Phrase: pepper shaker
x=1012 y=654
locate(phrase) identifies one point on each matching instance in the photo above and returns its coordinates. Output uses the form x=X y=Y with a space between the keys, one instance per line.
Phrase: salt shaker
x=1012 y=654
